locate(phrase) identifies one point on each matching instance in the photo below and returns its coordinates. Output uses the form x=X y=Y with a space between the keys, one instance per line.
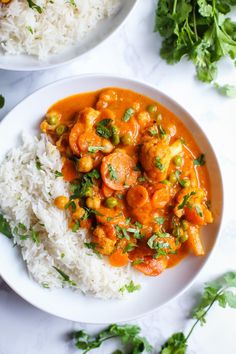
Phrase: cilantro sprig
x=201 y=31
x=219 y=291
x=128 y=334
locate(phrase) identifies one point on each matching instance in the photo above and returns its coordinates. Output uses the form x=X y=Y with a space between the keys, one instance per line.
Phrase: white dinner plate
x=155 y=291
x=96 y=36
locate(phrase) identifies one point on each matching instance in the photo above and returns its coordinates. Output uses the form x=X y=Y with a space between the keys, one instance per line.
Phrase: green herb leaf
x=159 y=220
x=130 y=247
x=226 y=90
x=2 y=101
x=38 y=163
x=76 y=227
x=130 y=288
x=104 y=128
x=186 y=200
x=94 y=149
x=30 y=29
x=35 y=237
x=5 y=228
x=159 y=164
x=200 y=161
x=65 y=277
x=92 y=246
x=176 y=344
x=112 y=173
x=34 y=6
x=128 y=114
x=58 y=174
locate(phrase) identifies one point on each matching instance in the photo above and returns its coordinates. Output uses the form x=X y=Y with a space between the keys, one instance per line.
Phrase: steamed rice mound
x=62 y=23
x=28 y=187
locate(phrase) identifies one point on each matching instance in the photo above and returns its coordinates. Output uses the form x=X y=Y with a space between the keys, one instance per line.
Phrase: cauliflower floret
x=156 y=156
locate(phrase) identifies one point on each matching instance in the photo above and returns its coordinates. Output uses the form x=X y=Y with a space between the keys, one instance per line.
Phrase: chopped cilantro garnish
x=112 y=173
x=131 y=287
x=104 y=129
x=128 y=114
x=200 y=161
x=159 y=164
x=65 y=277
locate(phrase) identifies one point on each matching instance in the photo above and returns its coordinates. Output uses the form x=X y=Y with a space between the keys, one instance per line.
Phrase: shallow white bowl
x=155 y=291
x=103 y=30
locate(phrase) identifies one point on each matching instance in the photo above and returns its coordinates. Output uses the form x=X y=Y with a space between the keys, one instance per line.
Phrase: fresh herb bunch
x=214 y=292
x=128 y=334
x=200 y=30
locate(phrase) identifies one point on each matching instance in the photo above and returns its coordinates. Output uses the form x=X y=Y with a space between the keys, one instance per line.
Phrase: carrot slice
x=76 y=131
x=107 y=192
x=137 y=196
x=118 y=259
x=152 y=266
x=161 y=197
x=117 y=171
x=69 y=171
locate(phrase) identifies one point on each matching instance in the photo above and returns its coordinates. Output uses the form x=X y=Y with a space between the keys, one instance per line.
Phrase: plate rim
x=77 y=57
x=221 y=219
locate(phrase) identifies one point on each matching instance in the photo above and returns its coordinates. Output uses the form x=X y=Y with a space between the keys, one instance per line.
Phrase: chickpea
x=85 y=164
x=79 y=213
x=143 y=118
x=107 y=146
x=61 y=201
x=136 y=106
x=93 y=203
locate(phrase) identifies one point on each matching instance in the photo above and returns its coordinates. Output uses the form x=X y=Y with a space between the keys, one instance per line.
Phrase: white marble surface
x=133 y=52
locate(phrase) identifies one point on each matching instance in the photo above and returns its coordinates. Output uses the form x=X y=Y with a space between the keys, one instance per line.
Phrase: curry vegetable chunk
x=134 y=182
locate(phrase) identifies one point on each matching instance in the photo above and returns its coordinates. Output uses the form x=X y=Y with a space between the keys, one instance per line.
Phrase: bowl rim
x=77 y=57
x=221 y=218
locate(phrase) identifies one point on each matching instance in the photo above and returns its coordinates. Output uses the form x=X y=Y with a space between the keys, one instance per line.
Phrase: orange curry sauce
x=138 y=181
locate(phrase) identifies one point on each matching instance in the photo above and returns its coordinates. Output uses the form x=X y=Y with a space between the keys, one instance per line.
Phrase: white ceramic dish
x=155 y=291
x=103 y=30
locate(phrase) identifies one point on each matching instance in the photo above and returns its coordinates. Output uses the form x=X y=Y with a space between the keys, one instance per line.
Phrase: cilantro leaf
x=226 y=90
x=176 y=344
x=34 y=6
x=64 y=276
x=5 y=228
x=128 y=114
x=130 y=288
x=104 y=129
x=200 y=161
x=112 y=173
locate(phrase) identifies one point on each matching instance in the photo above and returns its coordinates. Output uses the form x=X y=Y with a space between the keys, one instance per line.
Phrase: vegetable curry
x=138 y=182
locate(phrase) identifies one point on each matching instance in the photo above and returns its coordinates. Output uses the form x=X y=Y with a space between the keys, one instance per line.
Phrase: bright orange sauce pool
x=139 y=183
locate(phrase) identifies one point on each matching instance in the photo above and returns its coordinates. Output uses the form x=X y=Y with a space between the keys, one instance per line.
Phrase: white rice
x=26 y=196
x=24 y=30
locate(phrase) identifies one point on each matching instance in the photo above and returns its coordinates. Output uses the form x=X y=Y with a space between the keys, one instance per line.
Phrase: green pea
x=173 y=178
x=126 y=139
x=185 y=183
x=60 y=129
x=152 y=108
x=178 y=160
x=115 y=135
x=165 y=181
x=111 y=202
x=52 y=118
